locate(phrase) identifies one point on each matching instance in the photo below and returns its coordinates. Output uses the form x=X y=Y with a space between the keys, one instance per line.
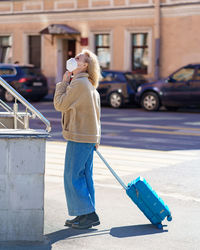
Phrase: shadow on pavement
x=71 y=233
x=136 y=230
x=66 y=233
x=50 y=239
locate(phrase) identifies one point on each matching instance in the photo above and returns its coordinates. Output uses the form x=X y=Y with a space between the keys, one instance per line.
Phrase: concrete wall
x=22 y=162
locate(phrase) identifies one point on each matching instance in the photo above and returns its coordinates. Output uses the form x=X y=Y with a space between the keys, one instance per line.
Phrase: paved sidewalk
x=173 y=174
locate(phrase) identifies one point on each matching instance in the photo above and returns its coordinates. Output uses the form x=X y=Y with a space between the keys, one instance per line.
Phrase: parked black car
x=26 y=79
x=180 y=89
x=119 y=87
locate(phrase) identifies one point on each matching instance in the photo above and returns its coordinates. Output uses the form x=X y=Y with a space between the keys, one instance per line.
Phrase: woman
x=79 y=103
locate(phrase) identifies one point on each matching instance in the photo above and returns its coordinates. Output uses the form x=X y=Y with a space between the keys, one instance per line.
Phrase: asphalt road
x=135 y=128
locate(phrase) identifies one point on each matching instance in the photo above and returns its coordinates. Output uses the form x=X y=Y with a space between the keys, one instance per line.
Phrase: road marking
x=145 y=126
x=54 y=119
x=110 y=115
x=124 y=161
x=179 y=196
x=47 y=111
x=192 y=123
x=151 y=131
x=125 y=119
x=56 y=133
x=148 y=126
x=171 y=195
x=174 y=127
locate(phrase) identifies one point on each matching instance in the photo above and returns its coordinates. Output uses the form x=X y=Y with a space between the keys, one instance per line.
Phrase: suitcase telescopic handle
x=111 y=170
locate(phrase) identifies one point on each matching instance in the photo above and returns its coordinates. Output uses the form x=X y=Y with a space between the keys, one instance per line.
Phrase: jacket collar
x=80 y=75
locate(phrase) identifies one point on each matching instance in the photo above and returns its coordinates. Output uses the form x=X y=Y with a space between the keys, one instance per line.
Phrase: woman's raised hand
x=67 y=76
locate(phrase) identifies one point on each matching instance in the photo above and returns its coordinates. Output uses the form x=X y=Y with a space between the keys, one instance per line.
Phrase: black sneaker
x=86 y=221
x=68 y=223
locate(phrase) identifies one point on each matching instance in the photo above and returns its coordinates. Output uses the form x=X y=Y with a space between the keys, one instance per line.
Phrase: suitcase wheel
x=159 y=226
x=169 y=217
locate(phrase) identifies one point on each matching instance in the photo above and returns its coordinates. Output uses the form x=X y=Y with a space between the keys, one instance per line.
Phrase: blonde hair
x=93 y=67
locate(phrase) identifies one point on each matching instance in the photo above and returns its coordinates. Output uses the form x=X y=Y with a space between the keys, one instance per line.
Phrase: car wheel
x=171 y=108
x=115 y=100
x=8 y=97
x=150 y=101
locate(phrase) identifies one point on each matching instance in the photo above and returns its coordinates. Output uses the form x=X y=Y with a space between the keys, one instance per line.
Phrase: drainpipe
x=157 y=39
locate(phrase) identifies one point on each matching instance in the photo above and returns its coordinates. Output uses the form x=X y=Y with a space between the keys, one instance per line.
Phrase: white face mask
x=71 y=64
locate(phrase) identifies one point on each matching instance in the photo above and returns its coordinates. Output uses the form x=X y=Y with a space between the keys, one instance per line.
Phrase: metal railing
x=22 y=100
x=17 y=116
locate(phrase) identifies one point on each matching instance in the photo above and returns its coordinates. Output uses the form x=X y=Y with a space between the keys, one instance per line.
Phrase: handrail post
x=15 y=109
x=26 y=120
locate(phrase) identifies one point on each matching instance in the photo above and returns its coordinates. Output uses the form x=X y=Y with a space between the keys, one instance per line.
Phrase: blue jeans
x=78 y=178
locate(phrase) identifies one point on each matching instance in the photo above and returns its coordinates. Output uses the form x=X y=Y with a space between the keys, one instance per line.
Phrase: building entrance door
x=69 y=50
x=35 y=50
x=66 y=49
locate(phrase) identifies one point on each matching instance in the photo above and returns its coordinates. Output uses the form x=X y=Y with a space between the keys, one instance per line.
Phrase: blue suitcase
x=147 y=200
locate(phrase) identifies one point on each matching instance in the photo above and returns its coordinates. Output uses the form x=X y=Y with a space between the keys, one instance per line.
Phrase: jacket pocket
x=65 y=121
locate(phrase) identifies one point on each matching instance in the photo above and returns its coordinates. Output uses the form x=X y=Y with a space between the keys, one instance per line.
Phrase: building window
x=140 y=56
x=35 y=50
x=102 y=49
x=5 y=49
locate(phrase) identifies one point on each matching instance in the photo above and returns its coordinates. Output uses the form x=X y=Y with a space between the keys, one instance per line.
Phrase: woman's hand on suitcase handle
x=96 y=146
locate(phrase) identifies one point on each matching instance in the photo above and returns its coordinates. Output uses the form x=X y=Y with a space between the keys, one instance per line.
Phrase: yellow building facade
x=150 y=37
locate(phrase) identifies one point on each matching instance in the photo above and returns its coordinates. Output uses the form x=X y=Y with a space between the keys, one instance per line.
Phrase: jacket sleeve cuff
x=61 y=86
